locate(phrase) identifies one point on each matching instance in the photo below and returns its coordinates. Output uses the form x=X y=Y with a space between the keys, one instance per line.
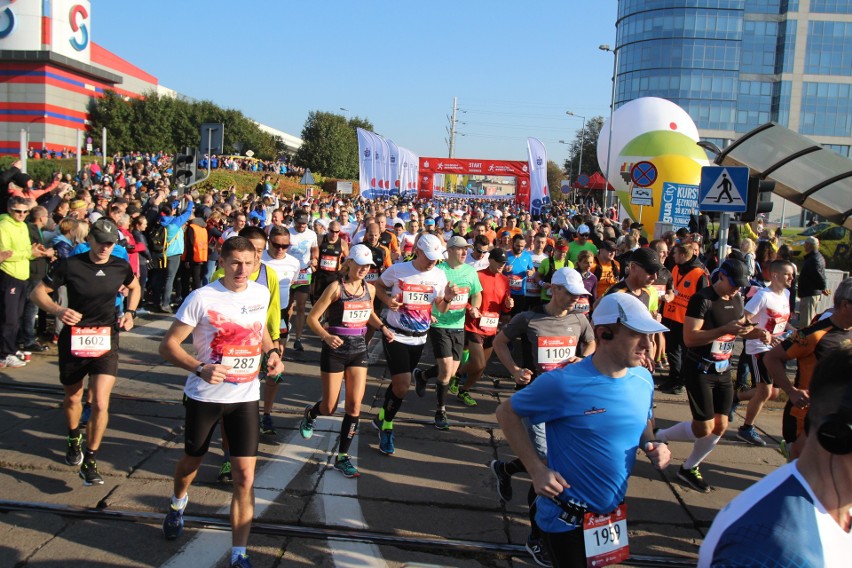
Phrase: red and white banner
x=539 y=195
x=430 y=168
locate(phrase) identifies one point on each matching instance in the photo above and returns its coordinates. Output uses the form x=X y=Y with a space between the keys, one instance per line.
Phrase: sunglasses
x=280 y=246
x=334 y=232
x=19 y=211
x=478 y=251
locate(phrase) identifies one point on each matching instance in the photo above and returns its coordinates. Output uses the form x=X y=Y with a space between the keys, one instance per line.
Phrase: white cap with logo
x=361 y=255
x=431 y=246
x=571 y=280
x=629 y=311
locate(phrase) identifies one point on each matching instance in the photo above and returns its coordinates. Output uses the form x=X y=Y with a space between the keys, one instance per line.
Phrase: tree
x=330 y=144
x=588 y=140
x=555 y=175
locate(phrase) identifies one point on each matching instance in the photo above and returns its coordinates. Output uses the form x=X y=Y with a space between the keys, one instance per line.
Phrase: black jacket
x=812 y=278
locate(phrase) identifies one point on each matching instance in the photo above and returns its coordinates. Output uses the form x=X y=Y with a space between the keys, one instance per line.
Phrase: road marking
x=155 y=327
x=208 y=547
x=341 y=507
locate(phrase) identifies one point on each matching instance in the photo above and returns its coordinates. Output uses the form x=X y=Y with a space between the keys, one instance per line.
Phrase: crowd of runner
x=568 y=301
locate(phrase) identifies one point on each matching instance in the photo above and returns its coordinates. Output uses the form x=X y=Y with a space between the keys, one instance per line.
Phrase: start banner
x=430 y=167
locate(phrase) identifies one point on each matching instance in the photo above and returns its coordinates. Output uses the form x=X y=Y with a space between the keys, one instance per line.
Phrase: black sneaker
x=441 y=420
x=420 y=382
x=89 y=474
x=267 y=428
x=673 y=388
x=297 y=345
x=504 y=480
x=74 y=453
x=538 y=552
x=692 y=477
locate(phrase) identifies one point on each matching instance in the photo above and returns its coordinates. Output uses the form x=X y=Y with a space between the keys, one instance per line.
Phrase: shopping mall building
x=50 y=69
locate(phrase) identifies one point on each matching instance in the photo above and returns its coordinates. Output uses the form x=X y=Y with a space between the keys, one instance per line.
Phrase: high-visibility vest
x=684 y=288
x=199 y=244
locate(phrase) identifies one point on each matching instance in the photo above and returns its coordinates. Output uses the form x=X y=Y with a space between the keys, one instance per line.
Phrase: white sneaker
x=12 y=361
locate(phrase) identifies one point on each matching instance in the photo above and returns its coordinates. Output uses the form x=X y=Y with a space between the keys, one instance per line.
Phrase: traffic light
x=184 y=167
x=759 y=198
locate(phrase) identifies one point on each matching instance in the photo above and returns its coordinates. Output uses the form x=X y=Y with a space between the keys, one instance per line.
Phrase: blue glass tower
x=736 y=64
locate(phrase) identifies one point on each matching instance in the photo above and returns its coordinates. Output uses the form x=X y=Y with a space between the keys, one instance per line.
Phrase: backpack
x=156 y=235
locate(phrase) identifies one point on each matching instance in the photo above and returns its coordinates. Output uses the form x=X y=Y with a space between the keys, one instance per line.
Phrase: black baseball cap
x=648 y=259
x=301 y=217
x=498 y=254
x=104 y=231
x=736 y=270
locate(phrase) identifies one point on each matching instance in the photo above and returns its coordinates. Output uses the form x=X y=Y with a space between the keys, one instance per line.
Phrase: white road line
x=208 y=547
x=155 y=327
x=341 y=508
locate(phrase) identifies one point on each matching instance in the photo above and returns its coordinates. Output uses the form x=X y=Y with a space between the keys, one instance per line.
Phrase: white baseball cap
x=431 y=245
x=571 y=280
x=361 y=255
x=629 y=311
x=583 y=229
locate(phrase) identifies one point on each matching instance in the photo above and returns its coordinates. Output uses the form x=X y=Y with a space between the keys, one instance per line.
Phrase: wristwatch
x=199 y=368
x=131 y=312
x=274 y=350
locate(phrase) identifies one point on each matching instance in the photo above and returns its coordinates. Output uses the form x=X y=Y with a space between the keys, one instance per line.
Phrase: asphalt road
x=433 y=502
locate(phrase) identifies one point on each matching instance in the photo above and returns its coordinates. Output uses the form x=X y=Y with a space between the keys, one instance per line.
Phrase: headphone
x=835 y=431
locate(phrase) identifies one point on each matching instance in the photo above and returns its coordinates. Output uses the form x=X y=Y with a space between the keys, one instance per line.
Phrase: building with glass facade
x=736 y=64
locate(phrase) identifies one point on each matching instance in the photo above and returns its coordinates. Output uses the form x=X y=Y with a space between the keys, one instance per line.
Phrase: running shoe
x=454 y=385
x=74 y=453
x=35 y=347
x=672 y=388
x=297 y=345
x=692 y=477
x=344 y=466
x=173 y=524
x=465 y=397
x=749 y=434
x=89 y=474
x=242 y=561
x=420 y=382
x=225 y=475
x=86 y=414
x=441 y=420
x=385 y=438
x=538 y=552
x=306 y=426
x=12 y=362
x=504 y=480
x=166 y=309
x=266 y=426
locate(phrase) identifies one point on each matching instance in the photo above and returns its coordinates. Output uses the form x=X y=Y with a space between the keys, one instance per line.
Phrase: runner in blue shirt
x=597 y=414
x=519 y=267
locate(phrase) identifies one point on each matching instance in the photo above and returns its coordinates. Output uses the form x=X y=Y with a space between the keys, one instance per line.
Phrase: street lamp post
x=345 y=113
x=606 y=47
x=582 y=141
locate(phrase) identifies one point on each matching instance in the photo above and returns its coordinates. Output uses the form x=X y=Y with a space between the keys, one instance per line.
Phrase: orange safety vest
x=199 y=243
x=684 y=288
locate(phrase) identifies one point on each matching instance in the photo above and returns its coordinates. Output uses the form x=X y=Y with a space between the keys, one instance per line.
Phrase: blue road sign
x=643 y=174
x=724 y=189
x=583 y=180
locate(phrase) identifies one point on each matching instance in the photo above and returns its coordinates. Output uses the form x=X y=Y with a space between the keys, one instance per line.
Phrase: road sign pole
x=724 y=225
x=641 y=208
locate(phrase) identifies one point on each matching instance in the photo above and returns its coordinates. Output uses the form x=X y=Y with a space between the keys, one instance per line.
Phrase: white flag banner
x=366 y=156
x=384 y=159
x=411 y=170
x=379 y=170
x=539 y=194
x=394 y=168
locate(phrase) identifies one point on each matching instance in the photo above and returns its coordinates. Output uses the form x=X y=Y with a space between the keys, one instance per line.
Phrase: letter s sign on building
x=78 y=18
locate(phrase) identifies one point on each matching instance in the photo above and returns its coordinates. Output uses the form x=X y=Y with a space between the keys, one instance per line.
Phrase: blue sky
x=516 y=67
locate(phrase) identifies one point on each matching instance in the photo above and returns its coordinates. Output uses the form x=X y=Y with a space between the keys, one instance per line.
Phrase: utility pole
x=452 y=130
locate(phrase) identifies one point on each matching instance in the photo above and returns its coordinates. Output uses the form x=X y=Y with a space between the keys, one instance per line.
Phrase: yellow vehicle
x=835 y=244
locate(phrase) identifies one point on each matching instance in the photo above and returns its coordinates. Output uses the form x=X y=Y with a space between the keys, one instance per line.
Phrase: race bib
x=516 y=283
x=661 y=289
x=459 y=302
x=372 y=276
x=417 y=297
x=301 y=278
x=488 y=321
x=533 y=287
x=722 y=348
x=356 y=314
x=554 y=351
x=90 y=341
x=776 y=325
x=244 y=361
x=605 y=537
x=583 y=306
x=329 y=262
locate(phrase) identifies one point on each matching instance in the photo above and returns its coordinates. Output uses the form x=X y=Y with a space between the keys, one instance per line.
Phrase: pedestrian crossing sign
x=724 y=189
